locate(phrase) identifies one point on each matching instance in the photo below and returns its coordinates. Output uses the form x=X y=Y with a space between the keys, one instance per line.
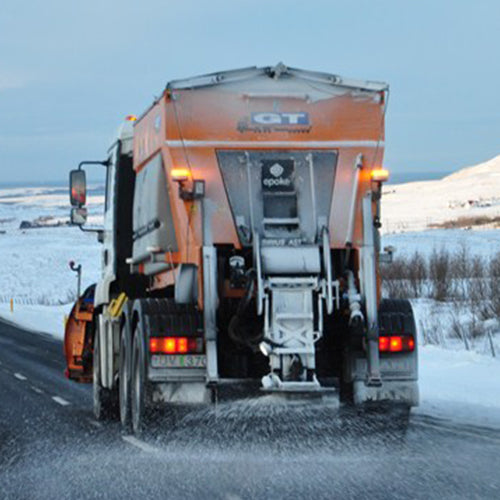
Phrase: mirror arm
x=104 y=163
x=87 y=230
x=99 y=232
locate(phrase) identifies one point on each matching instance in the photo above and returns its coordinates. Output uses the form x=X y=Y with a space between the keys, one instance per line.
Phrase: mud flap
x=405 y=392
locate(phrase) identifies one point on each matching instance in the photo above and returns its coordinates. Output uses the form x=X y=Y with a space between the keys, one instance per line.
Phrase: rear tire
x=104 y=400
x=140 y=387
x=124 y=378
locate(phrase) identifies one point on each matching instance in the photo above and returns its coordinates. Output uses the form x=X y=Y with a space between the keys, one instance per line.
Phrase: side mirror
x=77 y=188
x=78 y=216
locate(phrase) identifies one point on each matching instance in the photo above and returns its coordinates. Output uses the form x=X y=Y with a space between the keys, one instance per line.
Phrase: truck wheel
x=346 y=393
x=139 y=390
x=346 y=386
x=104 y=399
x=124 y=378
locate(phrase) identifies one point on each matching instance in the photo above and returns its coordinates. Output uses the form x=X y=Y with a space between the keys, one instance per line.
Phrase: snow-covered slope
x=470 y=192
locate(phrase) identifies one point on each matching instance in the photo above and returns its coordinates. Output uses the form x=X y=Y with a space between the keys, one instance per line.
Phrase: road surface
x=51 y=446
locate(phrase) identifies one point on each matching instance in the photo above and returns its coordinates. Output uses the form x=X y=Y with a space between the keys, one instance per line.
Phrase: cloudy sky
x=71 y=70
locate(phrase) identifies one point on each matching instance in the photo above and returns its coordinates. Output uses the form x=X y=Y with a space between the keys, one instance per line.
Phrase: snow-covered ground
x=35 y=264
x=459 y=385
x=484 y=243
x=34 y=270
x=454 y=383
x=38 y=318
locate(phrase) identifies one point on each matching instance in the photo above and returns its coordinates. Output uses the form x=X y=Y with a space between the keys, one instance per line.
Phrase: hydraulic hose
x=356 y=318
x=236 y=333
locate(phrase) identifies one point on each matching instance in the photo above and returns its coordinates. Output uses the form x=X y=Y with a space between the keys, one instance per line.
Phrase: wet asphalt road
x=51 y=447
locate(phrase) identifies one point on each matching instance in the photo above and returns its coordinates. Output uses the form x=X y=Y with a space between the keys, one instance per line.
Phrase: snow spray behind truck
x=241 y=249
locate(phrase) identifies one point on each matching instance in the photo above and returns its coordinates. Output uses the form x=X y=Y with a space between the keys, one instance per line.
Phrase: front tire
x=104 y=400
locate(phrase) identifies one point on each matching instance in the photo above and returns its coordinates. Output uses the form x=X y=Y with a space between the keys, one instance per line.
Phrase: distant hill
x=467 y=198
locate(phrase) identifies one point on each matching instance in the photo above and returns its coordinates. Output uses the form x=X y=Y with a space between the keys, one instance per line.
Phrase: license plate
x=179 y=361
x=396 y=365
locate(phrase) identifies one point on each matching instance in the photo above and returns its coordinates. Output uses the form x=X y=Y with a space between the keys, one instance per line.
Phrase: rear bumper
x=177 y=374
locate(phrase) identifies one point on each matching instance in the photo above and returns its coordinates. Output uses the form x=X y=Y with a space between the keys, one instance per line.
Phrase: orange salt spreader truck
x=241 y=249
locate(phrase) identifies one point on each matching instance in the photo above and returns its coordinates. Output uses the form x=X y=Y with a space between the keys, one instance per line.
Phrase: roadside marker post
x=78 y=270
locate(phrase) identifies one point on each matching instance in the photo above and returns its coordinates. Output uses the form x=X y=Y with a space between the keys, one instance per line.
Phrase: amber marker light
x=131 y=118
x=380 y=175
x=180 y=174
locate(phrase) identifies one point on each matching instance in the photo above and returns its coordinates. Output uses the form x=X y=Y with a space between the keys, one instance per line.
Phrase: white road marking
x=94 y=423
x=140 y=444
x=20 y=376
x=36 y=389
x=60 y=400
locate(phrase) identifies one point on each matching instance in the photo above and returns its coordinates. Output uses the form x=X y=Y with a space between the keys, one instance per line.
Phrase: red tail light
x=383 y=344
x=396 y=343
x=175 y=345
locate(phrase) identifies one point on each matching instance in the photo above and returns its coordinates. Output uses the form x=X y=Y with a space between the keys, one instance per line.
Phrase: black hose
x=240 y=335
x=245 y=301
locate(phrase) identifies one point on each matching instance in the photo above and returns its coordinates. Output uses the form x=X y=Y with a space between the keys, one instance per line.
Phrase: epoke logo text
x=276 y=171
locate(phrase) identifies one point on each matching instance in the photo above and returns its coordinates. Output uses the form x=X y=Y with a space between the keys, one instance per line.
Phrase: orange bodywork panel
x=78 y=338
x=192 y=122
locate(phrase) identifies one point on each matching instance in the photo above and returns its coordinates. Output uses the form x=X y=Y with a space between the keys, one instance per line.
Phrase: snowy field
x=35 y=271
x=455 y=384
x=484 y=243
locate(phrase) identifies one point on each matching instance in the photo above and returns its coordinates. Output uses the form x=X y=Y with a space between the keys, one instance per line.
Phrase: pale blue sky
x=71 y=70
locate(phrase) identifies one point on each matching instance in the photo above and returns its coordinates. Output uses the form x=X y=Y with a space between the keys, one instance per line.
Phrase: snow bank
x=37 y=318
x=460 y=386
